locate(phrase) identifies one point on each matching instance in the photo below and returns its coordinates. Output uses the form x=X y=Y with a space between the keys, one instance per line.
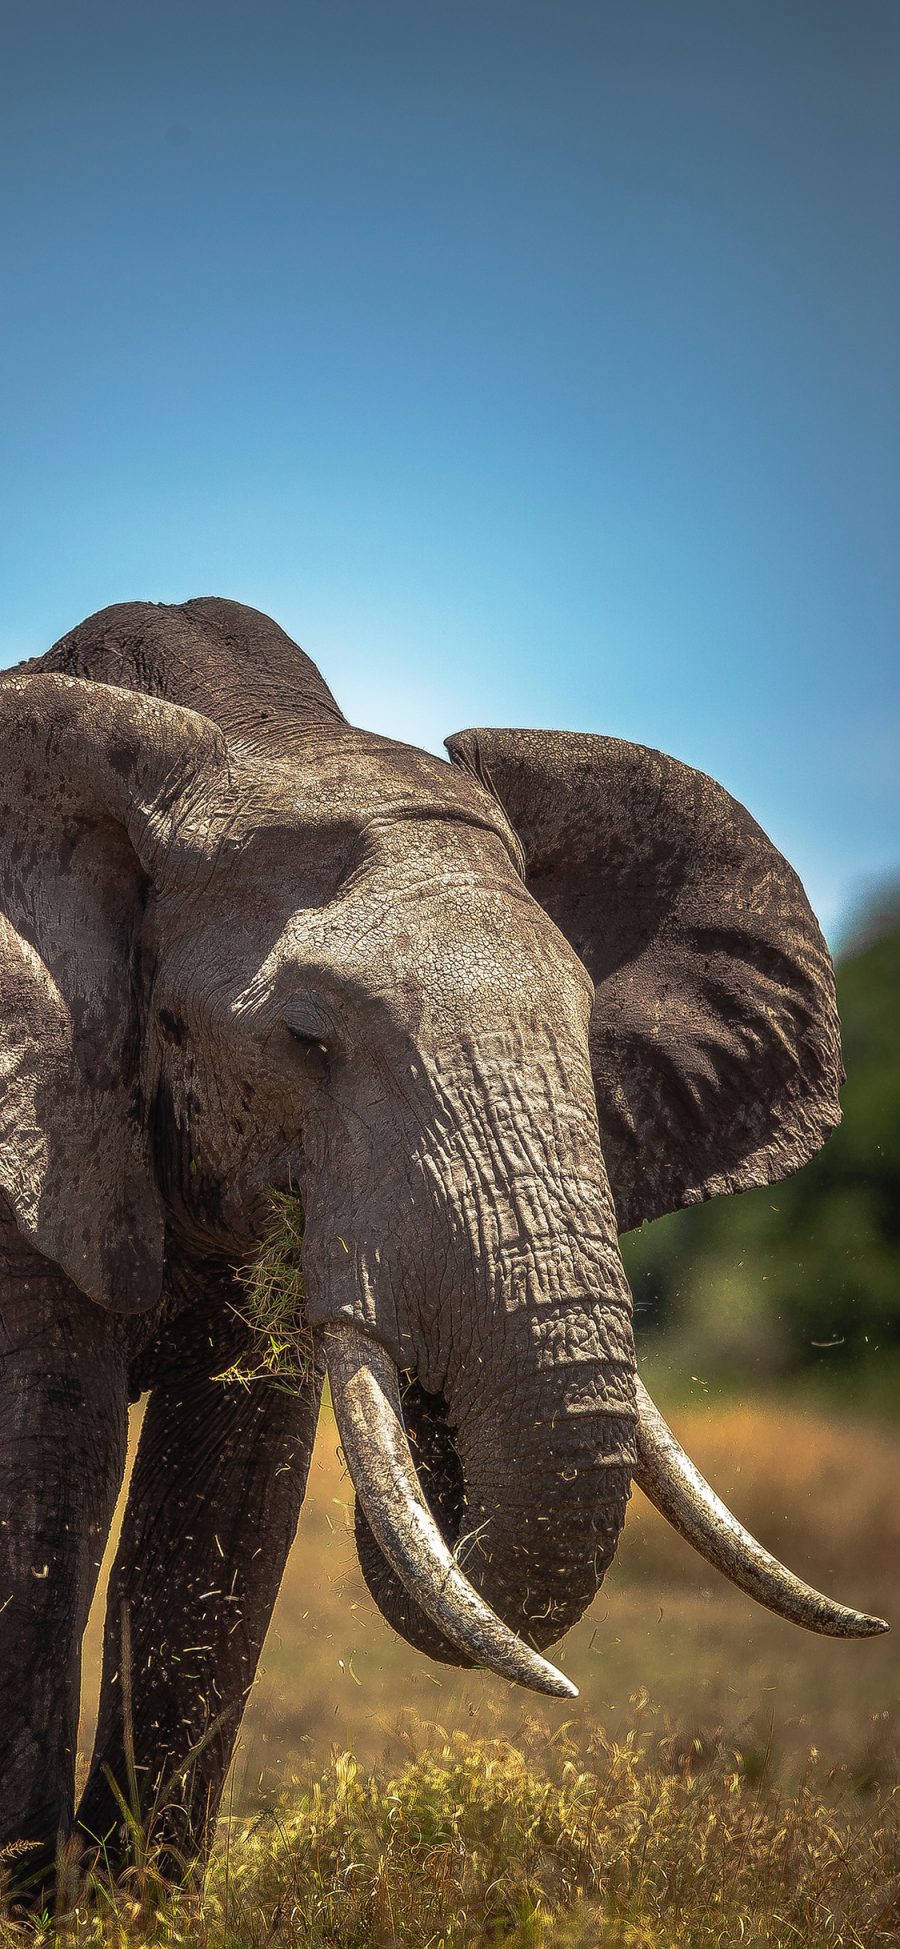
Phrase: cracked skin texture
x=481 y=1017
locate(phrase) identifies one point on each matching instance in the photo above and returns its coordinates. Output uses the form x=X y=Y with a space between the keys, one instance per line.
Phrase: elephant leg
x=63 y=1424
x=218 y=1482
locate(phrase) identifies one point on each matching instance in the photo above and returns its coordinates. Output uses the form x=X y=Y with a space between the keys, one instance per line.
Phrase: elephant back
x=228 y=661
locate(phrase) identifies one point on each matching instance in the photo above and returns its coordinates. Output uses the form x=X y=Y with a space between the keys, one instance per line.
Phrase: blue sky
x=531 y=363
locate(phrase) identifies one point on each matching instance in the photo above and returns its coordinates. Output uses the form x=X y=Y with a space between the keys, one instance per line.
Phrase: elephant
x=477 y=1018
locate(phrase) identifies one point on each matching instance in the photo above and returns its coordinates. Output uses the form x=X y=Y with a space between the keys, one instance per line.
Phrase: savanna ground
x=723 y=1778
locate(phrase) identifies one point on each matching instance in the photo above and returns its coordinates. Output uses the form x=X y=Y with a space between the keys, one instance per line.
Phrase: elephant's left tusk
x=366 y=1398
x=668 y=1476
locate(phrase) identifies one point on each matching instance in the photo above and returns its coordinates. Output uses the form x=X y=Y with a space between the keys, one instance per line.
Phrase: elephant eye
x=312 y=1043
x=309 y=1026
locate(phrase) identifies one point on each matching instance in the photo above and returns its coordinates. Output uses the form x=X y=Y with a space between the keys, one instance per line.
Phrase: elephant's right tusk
x=366 y=1397
x=668 y=1476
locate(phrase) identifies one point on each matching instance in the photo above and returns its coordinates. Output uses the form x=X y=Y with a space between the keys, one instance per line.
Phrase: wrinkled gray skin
x=244 y=945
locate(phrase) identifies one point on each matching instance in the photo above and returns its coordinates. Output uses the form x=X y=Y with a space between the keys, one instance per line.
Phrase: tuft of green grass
x=281 y=1350
x=669 y=1843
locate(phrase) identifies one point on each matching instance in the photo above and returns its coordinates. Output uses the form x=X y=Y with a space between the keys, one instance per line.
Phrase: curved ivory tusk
x=668 y=1476
x=366 y=1397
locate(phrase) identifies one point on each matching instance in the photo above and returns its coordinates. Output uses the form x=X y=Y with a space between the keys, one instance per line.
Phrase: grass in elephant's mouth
x=280 y=1347
x=658 y=1842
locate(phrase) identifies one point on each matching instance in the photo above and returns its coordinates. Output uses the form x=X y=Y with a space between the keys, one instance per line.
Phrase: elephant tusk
x=366 y=1397
x=670 y=1480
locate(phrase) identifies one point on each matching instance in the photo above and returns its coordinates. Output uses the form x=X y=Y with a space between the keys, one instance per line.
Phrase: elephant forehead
x=358 y=778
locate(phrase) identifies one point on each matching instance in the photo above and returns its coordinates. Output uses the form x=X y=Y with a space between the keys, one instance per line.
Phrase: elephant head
x=480 y=1017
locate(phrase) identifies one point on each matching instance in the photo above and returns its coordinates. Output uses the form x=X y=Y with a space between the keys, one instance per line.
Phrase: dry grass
x=724 y=1779
x=281 y=1346
x=653 y=1842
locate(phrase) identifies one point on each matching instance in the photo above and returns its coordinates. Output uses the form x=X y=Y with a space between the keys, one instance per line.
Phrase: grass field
x=723 y=1778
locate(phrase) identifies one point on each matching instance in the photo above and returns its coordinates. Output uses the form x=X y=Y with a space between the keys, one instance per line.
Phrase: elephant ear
x=714 y=1035
x=91 y=781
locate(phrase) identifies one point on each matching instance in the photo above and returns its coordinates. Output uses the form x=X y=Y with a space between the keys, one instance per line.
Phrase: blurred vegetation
x=804 y=1275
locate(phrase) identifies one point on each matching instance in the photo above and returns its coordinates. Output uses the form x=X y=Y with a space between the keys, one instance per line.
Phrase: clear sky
x=532 y=363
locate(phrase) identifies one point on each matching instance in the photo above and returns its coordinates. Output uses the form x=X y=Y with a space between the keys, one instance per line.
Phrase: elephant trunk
x=404 y=1534
x=547 y=1469
x=524 y=1458
x=527 y=1487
